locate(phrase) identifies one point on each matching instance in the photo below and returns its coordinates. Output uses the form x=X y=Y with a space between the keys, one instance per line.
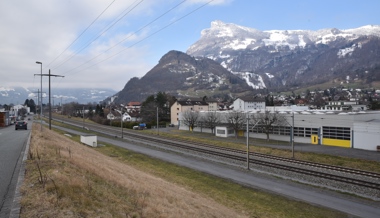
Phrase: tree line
x=235 y=120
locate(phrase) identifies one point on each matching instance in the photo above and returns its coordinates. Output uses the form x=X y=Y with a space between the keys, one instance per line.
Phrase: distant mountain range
x=231 y=60
x=234 y=60
x=18 y=95
x=284 y=59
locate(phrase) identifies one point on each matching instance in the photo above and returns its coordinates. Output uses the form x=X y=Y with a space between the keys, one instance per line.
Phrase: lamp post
x=38 y=62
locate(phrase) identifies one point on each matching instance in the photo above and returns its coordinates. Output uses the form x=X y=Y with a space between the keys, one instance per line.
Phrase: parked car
x=21 y=124
x=171 y=125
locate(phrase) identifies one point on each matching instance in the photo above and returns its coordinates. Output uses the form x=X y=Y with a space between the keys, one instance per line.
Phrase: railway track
x=348 y=176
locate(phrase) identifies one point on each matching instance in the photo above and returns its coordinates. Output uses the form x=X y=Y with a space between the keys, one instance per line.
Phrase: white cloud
x=41 y=30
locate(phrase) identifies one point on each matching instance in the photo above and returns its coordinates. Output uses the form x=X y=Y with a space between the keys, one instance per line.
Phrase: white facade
x=350 y=130
x=291 y=108
x=90 y=140
x=367 y=135
x=223 y=131
x=247 y=105
x=344 y=106
x=212 y=106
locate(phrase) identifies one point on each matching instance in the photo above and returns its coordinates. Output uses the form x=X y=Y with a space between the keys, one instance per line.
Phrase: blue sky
x=43 y=30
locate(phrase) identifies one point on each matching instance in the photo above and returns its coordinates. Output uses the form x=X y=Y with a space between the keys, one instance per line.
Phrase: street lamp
x=38 y=62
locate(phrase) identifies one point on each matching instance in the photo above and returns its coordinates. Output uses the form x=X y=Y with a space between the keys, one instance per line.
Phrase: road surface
x=12 y=148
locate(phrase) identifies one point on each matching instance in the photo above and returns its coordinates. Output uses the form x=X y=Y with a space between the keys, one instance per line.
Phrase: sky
x=105 y=43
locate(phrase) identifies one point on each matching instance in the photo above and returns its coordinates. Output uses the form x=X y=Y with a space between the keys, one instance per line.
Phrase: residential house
x=248 y=103
x=186 y=105
x=113 y=115
x=344 y=106
x=212 y=105
x=133 y=106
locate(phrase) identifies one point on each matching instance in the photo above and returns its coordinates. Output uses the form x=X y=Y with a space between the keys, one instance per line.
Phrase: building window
x=299 y=131
x=331 y=132
x=221 y=131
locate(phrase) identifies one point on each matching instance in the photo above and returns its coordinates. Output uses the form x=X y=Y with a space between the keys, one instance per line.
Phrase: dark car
x=21 y=125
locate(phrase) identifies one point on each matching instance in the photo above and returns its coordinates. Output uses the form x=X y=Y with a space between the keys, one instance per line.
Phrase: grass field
x=67 y=179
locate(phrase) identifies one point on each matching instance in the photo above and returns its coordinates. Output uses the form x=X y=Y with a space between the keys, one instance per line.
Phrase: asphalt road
x=12 y=147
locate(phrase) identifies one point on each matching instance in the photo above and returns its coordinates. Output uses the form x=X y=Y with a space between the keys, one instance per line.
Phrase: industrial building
x=359 y=130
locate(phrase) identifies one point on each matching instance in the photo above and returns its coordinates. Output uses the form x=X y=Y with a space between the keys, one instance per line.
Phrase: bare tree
x=267 y=120
x=235 y=120
x=211 y=119
x=190 y=118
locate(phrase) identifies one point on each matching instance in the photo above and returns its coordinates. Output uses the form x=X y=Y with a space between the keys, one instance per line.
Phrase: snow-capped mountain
x=291 y=58
x=18 y=95
x=181 y=75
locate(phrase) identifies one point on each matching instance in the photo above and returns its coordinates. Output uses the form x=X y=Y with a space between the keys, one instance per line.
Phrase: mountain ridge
x=18 y=95
x=176 y=73
x=283 y=59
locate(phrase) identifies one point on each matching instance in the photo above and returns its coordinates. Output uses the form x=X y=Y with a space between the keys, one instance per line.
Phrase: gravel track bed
x=285 y=174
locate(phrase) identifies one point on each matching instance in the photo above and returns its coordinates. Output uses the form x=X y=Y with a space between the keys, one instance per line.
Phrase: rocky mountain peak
x=290 y=58
x=180 y=75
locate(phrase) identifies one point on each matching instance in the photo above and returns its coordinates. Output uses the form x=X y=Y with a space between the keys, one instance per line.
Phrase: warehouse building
x=359 y=130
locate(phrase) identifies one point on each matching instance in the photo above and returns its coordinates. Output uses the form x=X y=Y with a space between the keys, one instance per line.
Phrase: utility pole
x=293 y=135
x=121 y=120
x=247 y=116
x=83 y=116
x=49 y=75
x=157 y=122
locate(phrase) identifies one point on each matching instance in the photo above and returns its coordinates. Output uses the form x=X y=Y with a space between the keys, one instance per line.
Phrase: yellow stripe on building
x=337 y=142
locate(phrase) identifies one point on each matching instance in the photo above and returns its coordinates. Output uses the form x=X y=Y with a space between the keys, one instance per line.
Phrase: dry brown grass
x=68 y=179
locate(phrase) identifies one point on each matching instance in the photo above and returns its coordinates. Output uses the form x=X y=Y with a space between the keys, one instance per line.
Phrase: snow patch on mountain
x=269 y=75
x=347 y=51
x=235 y=37
x=224 y=42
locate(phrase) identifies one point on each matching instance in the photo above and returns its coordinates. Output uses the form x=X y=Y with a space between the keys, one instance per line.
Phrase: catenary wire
x=82 y=33
x=145 y=26
x=104 y=31
x=150 y=35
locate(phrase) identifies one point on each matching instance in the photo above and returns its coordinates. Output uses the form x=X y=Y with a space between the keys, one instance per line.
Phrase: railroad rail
x=265 y=160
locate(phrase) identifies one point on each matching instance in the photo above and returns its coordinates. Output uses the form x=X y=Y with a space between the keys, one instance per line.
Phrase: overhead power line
x=104 y=31
x=82 y=32
x=143 y=39
x=130 y=35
